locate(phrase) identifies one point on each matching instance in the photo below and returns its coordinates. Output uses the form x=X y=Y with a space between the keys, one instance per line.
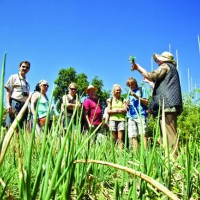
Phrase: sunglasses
x=25 y=67
x=45 y=85
x=73 y=89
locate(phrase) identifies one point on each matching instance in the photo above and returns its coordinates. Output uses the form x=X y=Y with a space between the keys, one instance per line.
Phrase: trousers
x=170 y=127
x=16 y=107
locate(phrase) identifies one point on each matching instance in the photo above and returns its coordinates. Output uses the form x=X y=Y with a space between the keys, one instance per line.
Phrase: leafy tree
x=101 y=94
x=66 y=76
x=188 y=121
x=82 y=83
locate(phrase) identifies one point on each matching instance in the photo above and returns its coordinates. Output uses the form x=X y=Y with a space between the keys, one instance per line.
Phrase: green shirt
x=43 y=106
x=117 y=104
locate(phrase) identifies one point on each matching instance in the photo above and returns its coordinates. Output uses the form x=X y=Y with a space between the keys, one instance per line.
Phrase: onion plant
x=70 y=164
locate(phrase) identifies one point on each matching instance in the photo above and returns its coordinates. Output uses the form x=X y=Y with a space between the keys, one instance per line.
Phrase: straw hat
x=89 y=88
x=165 y=56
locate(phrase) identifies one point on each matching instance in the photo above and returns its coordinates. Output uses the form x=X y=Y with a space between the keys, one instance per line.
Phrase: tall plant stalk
x=2 y=89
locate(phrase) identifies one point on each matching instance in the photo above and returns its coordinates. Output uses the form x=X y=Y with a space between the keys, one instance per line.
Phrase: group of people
x=135 y=107
x=18 y=91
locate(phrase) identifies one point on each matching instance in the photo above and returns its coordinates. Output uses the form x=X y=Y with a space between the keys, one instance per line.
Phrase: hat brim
x=92 y=88
x=157 y=57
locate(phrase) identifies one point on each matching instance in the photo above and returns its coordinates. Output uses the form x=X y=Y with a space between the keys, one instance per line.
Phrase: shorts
x=116 y=125
x=135 y=128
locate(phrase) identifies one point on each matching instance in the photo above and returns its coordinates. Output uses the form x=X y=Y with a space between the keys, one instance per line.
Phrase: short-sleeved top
x=135 y=107
x=117 y=104
x=94 y=110
x=17 y=85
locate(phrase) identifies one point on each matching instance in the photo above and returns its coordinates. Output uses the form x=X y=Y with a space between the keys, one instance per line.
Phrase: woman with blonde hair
x=69 y=103
x=117 y=109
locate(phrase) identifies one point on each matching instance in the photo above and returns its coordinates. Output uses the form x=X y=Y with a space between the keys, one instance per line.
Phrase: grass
x=73 y=166
x=67 y=164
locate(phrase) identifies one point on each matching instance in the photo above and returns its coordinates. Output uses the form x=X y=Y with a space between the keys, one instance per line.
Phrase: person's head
x=72 y=88
x=91 y=91
x=24 y=67
x=42 y=86
x=132 y=83
x=164 y=57
x=116 y=90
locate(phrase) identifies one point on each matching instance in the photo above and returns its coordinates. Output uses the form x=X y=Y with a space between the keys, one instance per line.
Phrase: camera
x=25 y=94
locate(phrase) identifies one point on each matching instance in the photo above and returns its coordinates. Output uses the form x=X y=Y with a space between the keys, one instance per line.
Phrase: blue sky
x=96 y=37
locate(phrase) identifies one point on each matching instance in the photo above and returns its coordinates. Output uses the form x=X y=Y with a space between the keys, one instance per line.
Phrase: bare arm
x=70 y=106
x=87 y=117
x=125 y=106
x=106 y=115
x=34 y=99
x=154 y=76
x=8 y=96
x=142 y=100
x=117 y=110
x=141 y=70
x=63 y=103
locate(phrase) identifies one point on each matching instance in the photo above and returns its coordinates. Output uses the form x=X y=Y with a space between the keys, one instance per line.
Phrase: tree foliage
x=188 y=121
x=101 y=94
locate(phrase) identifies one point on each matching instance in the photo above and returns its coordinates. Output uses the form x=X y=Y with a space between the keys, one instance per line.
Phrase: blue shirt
x=135 y=107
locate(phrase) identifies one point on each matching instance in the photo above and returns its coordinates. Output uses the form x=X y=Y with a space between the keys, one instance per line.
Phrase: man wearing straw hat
x=167 y=89
x=17 y=92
